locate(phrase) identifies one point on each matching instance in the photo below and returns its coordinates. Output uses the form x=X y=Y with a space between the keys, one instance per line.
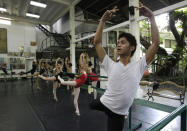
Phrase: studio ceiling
x=92 y=9
x=17 y=9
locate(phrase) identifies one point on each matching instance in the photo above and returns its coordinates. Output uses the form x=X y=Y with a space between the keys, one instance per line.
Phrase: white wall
x=19 y=34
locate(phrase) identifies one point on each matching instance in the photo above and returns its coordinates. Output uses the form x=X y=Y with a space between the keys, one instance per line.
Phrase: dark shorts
x=56 y=76
x=115 y=121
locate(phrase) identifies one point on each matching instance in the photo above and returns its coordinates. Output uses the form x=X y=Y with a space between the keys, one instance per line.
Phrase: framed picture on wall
x=3 y=40
x=33 y=43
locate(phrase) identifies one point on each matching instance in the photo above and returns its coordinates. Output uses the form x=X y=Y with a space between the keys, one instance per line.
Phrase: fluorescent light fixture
x=38 y=4
x=5 y=22
x=3 y=9
x=32 y=15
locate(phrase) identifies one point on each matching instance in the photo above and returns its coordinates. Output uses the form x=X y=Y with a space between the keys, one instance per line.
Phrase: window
x=112 y=37
x=170 y=43
x=167 y=43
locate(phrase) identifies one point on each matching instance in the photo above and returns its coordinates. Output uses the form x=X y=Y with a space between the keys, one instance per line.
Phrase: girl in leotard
x=78 y=82
x=56 y=83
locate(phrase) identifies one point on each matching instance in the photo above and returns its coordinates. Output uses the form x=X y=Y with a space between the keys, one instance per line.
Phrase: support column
x=72 y=32
x=134 y=28
x=51 y=28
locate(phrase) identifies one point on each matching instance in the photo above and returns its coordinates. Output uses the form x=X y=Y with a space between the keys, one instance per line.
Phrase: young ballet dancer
x=56 y=83
x=78 y=82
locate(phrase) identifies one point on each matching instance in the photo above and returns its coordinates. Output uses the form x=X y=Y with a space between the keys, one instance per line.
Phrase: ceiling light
x=38 y=4
x=32 y=15
x=3 y=9
x=5 y=22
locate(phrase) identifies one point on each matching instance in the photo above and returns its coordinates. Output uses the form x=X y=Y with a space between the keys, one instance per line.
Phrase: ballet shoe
x=55 y=99
x=38 y=88
x=77 y=113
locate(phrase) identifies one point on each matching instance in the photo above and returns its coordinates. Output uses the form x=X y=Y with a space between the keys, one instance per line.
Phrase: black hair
x=70 y=65
x=50 y=63
x=131 y=39
x=89 y=63
x=59 y=62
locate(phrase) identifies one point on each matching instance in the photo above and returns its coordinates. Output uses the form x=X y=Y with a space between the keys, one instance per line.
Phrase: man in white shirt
x=123 y=76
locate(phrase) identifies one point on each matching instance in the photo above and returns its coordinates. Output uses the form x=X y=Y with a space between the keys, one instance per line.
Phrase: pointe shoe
x=60 y=79
x=77 y=113
x=56 y=99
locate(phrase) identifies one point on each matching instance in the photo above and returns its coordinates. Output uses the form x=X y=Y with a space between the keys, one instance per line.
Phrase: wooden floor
x=23 y=108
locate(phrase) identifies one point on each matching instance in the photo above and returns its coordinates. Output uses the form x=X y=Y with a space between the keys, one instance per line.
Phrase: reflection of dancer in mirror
x=32 y=71
x=123 y=76
x=42 y=69
x=56 y=83
x=50 y=70
x=78 y=82
x=3 y=68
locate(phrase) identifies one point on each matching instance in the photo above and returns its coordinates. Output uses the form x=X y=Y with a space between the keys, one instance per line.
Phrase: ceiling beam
x=55 y=11
x=107 y=6
x=47 y=13
x=157 y=12
x=25 y=8
x=22 y=19
x=16 y=7
x=65 y=10
x=62 y=2
x=91 y=4
x=163 y=2
x=88 y=21
x=59 y=15
x=11 y=7
x=75 y=2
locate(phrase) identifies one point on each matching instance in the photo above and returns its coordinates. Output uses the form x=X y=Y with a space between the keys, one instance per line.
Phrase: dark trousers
x=115 y=121
x=5 y=71
x=30 y=71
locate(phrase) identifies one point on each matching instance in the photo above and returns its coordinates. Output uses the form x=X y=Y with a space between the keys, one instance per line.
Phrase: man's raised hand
x=109 y=14
x=145 y=11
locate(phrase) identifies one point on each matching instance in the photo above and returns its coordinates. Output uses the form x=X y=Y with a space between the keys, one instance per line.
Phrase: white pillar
x=134 y=28
x=72 y=32
x=51 y=28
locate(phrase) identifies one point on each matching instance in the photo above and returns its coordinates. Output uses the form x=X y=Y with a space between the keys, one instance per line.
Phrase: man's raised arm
x=98 y=37
x=154 y=33
x=155 y=41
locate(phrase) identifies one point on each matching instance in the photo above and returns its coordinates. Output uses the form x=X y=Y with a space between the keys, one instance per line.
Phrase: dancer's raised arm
x=98 y=37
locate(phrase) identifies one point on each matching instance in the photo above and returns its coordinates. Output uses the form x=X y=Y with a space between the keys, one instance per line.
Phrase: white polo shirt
x=123 y=82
